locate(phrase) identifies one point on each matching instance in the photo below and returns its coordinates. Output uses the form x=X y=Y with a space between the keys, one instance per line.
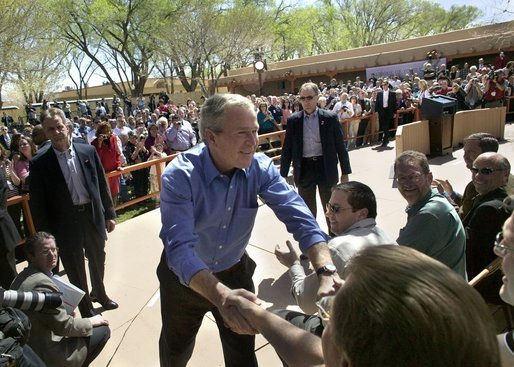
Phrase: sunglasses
x=485 y=171
x=306 y=98
x=334 y=209
x=500 y=249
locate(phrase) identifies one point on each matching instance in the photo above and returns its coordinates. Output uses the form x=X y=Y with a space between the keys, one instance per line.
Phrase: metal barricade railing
x=138 y=166
x=371 y=132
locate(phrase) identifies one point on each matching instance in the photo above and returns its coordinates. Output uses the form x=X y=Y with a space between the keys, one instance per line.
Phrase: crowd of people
x=448 y=237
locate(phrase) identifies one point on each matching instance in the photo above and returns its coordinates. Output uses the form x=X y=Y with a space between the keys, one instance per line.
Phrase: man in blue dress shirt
x=208 y=209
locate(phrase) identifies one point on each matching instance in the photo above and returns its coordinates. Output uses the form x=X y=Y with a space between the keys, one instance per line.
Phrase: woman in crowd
x=15 y=145
x=162 y=124
x=423 y=91
x=267 y=123
x=286 y=111
x=9 y=235
x=7 y=168
x=354 y=124
x=366 y=108
x=59 y=339
x=454 y=72
x=27 y=150
x=135 y=152
x=322 y=103
x=297 y=106
x=106 y=145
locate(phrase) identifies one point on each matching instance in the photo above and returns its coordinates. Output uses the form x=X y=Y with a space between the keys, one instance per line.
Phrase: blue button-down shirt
x=207 y=217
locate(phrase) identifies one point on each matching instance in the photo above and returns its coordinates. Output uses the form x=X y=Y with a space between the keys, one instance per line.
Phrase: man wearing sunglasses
x=351 y=212
x=314 y=144
x=474 y=145
x=490 y=172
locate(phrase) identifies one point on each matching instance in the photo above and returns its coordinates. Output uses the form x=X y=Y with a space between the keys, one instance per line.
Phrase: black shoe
x=93 y=298
x=109 y=305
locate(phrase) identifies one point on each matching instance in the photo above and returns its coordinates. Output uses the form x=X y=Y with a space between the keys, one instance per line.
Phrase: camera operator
x=473 y=93
x=58 y=338
x=494 y=86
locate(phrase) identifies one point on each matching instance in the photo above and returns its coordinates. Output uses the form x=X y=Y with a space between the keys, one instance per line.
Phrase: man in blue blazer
x=69 y=198
x=314 y=144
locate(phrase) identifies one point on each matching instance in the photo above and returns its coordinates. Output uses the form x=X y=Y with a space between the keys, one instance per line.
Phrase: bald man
x=490 y=173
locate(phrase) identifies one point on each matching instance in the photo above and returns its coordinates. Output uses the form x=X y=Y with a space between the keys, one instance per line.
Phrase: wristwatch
x=326 y=269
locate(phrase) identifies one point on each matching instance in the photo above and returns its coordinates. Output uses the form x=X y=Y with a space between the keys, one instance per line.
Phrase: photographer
x=58 y=338
x=473 y=93
x=106 y=144
x=180 y=136
x=495 y=85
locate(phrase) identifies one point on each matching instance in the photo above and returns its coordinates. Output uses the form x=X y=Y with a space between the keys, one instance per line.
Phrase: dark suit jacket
x=482 y=223
x=9 y=236
x=334 y=149
x=50 y=199
x=391 y=104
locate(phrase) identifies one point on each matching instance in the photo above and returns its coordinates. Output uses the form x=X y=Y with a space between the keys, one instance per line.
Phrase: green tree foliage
x=370 y=22
x=211 y=36
x=119 y=36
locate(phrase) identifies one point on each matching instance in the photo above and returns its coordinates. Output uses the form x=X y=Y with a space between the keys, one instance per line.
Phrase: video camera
x=29 y=301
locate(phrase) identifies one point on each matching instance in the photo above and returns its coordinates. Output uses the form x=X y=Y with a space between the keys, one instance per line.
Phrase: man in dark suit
x=314 y=143
x=69 y=197
x=386 y=108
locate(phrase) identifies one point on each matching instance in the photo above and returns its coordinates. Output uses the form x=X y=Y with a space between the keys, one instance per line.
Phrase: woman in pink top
x=21 y=163
x=286 y=111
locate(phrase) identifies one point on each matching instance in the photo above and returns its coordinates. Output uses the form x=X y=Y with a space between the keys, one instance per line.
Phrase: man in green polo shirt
x=433 y=226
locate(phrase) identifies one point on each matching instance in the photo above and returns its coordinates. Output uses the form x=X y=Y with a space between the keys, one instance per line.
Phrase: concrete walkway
x=134 y=249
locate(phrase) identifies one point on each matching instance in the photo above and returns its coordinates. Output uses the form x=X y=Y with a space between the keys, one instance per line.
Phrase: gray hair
x=212 y=113
x=309 y=85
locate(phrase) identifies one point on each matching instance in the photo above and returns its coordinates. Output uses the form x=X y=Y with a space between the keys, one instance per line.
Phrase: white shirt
x=71 y=170
x=386 y=98
x=360 y=235
x=339 y=106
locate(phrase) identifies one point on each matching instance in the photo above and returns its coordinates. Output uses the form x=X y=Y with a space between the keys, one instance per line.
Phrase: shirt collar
x=70 y=150
x=364 y=223
x=306 y=115
x=211 y=172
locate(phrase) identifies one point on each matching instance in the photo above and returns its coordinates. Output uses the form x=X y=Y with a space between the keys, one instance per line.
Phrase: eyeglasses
x=485 y=171
x=501 y=250
x=306 y=98
x=334 y=209
x=415 y=177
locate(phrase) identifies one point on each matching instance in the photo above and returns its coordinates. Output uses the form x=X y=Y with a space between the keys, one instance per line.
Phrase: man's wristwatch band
x=326 y=269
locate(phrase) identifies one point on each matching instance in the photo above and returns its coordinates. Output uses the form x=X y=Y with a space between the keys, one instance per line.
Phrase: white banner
x=399 y=69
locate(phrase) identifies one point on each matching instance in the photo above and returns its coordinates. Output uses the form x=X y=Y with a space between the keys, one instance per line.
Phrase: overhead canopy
x=456 y=44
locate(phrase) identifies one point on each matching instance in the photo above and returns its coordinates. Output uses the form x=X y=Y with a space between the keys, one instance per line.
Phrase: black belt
x=313 y=159
x=82 y=207
x=234 y=268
